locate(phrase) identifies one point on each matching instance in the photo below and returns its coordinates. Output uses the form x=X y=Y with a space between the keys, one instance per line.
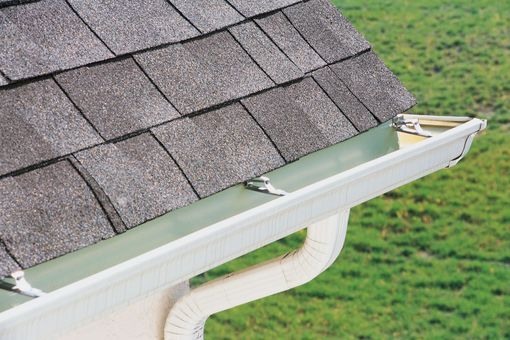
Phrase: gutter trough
x=318 y=186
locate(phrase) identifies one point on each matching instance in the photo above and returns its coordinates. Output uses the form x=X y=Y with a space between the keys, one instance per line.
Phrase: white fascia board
x=70 y=306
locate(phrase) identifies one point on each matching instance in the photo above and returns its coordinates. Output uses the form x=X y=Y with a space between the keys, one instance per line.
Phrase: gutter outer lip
x=63 y=309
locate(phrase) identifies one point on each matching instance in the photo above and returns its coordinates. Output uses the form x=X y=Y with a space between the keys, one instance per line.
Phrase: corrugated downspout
x=322 y=246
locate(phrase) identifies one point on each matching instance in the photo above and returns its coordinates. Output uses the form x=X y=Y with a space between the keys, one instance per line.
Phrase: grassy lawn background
x=432 y=259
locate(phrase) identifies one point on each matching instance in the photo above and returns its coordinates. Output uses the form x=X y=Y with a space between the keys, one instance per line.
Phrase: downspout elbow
x=322 y=246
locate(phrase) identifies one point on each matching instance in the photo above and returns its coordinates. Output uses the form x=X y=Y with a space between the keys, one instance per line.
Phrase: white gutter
x=324 y=241
x=73 y=305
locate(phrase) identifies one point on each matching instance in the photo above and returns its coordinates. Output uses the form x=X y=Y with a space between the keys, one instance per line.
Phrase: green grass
x=432 y=259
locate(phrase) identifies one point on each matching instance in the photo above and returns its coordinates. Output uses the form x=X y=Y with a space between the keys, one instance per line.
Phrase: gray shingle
x=375 y=85
x=219 y=148
x=208 y=15
x=127 y=25
x=49 y=212
x=267 y=55
x=281 y=31
x=251 y=8
x=43 y=37
x=139 y=177
x=37 y=123
x=329 y=33
x=299 y=118
x=116 y=97
x=7 y=264
x=101 y=196
x=3 y=81
x=344 y=99
x=203 y=73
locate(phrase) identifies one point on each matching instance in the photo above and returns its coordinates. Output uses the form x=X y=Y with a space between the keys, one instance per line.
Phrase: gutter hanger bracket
x=23 y=287
x=409 y=125
x=263 y=184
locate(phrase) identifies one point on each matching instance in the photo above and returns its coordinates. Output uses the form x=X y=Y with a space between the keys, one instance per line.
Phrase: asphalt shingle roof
x=43 y=37
x=116 y=97
x=265 y=53
x=299 y=118
x=128 y=26
x=116 y=112
x=375 y=85
x=156 y=185
x=281 y=31
x=327 y=31
x=208 y=15
x=49 y=212
x=219 y=149
x=38 y=123
x=351 y=107
x=206 y=72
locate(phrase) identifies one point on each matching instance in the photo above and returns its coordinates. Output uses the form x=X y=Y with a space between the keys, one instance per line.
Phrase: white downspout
x=322 y=246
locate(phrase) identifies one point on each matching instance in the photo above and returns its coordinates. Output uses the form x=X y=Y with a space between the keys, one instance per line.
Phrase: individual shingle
x=7 y=263
x=116 y=97
x=299 y=118
x=49 y=212
x=267 y=55
x=326 y=30
x=250 y=8
x=127 y=25
x=43 y=37
x=281 y=31
x=208 y=15
x=139 y=177
x=37 y=123
x=204 y=72
x=219 y=148
x=375 y=85
x=344 y=99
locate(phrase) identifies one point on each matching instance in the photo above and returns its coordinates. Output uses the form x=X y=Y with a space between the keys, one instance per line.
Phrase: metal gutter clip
x=23 y=287
x=409 y=125
x=263 y=184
